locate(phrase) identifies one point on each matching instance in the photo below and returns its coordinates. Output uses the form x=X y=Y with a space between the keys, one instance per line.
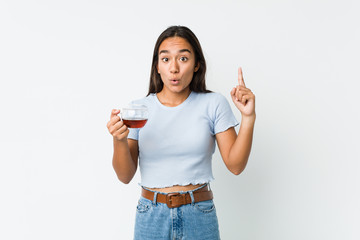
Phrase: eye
x=183 y=59
x=164 y=59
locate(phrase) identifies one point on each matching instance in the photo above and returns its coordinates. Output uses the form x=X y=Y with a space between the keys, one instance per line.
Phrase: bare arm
x=126 y=151
x=235 y=149
x=125 y=159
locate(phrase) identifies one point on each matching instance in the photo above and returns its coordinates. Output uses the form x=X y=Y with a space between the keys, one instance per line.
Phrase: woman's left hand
x=243 y=98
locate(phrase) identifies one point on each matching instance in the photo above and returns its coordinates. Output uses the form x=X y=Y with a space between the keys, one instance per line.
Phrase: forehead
x=174 y=44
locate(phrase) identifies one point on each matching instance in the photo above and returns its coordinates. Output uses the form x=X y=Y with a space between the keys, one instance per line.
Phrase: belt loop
x=155 y=198
x=192 y=198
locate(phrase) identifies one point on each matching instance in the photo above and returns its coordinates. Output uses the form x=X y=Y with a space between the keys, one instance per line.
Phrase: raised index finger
x=240 y=77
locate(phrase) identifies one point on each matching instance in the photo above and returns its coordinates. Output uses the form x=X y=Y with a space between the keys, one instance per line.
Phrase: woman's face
x=176 y=64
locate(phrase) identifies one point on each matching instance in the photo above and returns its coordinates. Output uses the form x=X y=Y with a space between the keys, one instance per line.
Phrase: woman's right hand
x=116 y=127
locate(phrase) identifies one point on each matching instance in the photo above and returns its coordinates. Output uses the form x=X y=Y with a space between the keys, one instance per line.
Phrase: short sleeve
x=134 y=133
x=224 y=117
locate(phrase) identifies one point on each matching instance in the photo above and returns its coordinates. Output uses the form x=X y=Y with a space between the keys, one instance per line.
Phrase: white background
x=65 y=64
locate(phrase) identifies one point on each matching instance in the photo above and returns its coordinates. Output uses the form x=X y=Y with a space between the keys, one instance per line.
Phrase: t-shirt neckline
x=187 y=100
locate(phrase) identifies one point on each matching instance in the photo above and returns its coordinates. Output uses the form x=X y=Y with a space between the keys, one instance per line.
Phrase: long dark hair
x=198 y=82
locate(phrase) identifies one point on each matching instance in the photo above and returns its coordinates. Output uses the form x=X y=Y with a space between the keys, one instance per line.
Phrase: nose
x=174 y=67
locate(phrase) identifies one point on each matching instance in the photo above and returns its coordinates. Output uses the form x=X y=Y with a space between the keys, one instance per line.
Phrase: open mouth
x=174 y=81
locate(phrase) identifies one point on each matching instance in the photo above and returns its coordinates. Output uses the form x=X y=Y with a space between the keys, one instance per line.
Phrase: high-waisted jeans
x=195 y=221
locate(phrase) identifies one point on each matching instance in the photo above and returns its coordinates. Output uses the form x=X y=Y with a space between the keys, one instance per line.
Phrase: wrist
x=248 y=119
x=119 y=141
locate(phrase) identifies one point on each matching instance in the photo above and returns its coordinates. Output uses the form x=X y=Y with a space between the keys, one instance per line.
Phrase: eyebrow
x=180 y=51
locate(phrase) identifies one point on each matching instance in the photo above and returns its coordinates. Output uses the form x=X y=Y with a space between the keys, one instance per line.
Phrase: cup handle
x=120 y=115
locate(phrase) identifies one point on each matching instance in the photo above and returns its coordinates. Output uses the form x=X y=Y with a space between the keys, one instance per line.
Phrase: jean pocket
x=205 y=206
x=143 y=206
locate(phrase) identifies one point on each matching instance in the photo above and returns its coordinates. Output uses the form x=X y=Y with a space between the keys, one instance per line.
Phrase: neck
x=171 y=99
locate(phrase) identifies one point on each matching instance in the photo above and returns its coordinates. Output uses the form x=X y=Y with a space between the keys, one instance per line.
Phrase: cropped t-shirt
x=177 y=143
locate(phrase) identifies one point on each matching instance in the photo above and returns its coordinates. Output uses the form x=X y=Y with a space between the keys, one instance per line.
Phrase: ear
x=157 y=69
x=197 y=67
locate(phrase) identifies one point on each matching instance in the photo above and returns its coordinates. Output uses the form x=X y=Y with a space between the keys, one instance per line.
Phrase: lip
x=174 y=81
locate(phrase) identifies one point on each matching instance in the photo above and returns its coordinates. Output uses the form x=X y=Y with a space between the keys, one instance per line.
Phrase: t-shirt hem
x=196 y=182
x=134 y=138
x=223 y=129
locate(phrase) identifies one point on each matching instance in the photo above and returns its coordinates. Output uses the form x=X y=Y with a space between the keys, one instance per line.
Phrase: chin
x=180 y=91
x=176 y=89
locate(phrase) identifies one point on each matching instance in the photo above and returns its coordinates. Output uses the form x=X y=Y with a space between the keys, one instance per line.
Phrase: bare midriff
x=177 y=188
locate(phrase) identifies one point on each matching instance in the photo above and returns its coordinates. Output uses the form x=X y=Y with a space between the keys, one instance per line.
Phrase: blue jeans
x=195 y=221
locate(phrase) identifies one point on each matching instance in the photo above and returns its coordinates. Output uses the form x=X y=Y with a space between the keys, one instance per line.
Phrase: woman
x=175 y=146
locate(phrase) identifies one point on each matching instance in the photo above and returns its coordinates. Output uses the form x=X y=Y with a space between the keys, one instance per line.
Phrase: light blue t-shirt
x=177 y=143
